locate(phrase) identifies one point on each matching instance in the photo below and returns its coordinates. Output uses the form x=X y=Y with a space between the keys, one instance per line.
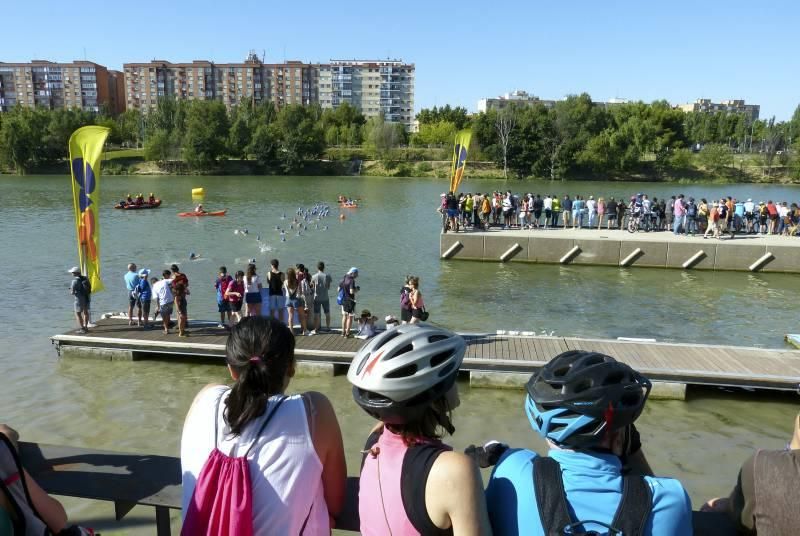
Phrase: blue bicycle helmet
x=579 y=397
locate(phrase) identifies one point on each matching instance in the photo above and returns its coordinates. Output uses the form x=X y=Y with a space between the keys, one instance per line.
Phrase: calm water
x=140 y=406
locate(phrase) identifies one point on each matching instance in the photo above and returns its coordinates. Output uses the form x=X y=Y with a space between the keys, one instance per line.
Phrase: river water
x=140 y=406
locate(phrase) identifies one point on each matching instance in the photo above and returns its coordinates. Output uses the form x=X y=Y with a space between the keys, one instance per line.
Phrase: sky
x=463 y=51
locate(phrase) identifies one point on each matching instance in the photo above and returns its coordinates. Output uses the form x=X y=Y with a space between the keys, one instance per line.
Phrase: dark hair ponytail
x=261 y=351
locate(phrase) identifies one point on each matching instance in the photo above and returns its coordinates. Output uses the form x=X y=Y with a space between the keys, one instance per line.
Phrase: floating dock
x=491 y=359
x=748 y=253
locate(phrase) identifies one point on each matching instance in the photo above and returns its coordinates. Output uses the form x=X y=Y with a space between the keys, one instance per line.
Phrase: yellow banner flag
x=459 y=158
x=85 y=150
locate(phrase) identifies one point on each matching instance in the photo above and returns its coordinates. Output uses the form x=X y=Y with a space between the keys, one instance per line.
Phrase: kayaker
x=199 y=209
x=152 y=199
x=140 y=199
x=129 y=200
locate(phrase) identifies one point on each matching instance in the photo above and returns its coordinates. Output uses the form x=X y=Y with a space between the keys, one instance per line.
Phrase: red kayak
x=139 y=207
x=204 y=213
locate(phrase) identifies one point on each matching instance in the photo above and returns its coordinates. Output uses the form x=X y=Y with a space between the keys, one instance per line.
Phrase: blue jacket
x=593 y=485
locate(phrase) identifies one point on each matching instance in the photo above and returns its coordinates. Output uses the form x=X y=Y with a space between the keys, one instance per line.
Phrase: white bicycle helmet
x=401 y=371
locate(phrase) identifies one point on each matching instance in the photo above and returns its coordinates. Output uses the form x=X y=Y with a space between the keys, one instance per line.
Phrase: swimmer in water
x=192 y=256
x=342 y=217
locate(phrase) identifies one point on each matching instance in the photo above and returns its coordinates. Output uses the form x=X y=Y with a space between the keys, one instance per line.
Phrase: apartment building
x=516 y=98
x=382 y=88
x=291 y=82
x=736 y=106
x=40 y=83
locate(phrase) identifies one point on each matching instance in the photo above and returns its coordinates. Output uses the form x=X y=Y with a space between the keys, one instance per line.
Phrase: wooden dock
x=688 y=364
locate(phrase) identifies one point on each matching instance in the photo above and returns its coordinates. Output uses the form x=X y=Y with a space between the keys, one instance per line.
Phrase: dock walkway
x=754 y=253
x=691 y=364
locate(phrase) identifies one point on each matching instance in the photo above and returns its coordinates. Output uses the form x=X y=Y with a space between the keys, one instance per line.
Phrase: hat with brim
x=366 y=313
x=74 y=270
x=144 y=272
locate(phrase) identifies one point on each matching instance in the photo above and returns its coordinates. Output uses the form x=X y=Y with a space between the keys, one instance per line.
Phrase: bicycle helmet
x=401 y=371
x=579 y=397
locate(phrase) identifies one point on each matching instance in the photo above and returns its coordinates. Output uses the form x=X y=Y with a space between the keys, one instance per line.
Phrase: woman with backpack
x=411 y=482
x=418 y=312
x=256 y=461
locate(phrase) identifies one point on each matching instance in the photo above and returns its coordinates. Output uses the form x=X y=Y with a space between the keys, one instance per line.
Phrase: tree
x=716 y=157
x=160 y=146
x=130 y=126
x=206 y=133
x=263 y=146
x=299 y=134
x=458 y=116
x=773 y=140
x=439 y=133
x=504 y=123
x=383 y=136
x=19 y=138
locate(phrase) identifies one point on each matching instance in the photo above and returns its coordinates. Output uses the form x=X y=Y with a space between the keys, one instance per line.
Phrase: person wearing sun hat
x=348 y=288
x=81 y=290
x=764 y=499
x=145 y=295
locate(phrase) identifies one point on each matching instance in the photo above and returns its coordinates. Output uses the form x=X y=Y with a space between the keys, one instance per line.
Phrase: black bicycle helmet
x=579 y=397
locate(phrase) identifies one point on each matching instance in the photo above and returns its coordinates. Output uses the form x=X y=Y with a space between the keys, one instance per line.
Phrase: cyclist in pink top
x=411 y=483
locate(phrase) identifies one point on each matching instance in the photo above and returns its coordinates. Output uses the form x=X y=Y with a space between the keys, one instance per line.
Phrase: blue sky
x=639 y=50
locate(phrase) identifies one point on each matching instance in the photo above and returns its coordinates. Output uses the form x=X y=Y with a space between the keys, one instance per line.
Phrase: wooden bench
x=129 y=479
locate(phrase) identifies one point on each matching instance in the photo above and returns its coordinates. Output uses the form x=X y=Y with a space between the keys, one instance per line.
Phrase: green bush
x=389 y=165
x=424 y=167
x=404 y=170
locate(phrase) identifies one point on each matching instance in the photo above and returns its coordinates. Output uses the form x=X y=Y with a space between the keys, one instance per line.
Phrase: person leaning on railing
x=765 y=497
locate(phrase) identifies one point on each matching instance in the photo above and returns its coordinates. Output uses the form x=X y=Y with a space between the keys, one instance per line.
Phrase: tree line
x=572 y=138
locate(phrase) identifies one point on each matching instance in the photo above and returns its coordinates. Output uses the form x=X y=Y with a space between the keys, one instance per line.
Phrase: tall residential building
x=291 y=82
x=382 y=88
x=40 y=83
x=736 y=106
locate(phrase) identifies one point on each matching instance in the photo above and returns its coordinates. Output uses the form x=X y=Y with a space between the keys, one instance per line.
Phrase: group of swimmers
x=680 y=214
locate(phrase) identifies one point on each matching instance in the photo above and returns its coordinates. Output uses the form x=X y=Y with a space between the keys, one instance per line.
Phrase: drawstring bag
x=222 y=502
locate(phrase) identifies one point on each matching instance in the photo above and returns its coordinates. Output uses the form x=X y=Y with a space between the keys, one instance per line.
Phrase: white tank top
x=285 y=471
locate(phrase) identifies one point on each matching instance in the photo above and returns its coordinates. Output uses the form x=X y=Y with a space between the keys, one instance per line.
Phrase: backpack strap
x=635 y=507
x=216 y=417
x=551 y=499
x=264 y=424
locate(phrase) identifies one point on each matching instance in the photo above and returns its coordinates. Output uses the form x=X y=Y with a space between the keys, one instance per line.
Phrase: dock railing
x=127 y=480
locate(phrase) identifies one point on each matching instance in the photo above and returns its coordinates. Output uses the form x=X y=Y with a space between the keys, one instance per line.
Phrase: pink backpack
x=222 y=502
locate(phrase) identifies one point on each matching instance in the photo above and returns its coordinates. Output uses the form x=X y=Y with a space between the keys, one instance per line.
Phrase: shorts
x=81 y=304
x=324 y=305
x=235 y=306
x=252 y=297
x=452 y=212
x=537 y=214
x=165 y=309
x=348 y=306
x=275 y=302
x=183 y=307
x=416 y=313
x=293 y=302
x=405 y=315
x=223 y=307
x=132 y=299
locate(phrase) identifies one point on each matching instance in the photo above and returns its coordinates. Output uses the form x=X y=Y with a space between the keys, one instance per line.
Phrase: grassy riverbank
x=428 y=163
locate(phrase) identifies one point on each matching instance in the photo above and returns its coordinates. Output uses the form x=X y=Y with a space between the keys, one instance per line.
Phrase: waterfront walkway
x=690 y=364
x=767 y=253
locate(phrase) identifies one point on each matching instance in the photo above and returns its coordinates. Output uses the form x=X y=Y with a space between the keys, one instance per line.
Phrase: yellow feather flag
x=460 y=151
x=85 y=150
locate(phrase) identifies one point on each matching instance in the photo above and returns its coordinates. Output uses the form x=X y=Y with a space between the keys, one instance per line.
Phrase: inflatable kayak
x=199 y=214
x=139 y=207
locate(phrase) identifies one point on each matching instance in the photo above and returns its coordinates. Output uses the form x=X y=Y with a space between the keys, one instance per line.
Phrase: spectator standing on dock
x=566 y=208
x=163 y=291
x=591 y=210
x=81 y=290
x=349 y=288
x=601 y=210
x=145 y=295
x=321 y=284
x=180 y=291
x=234 y=294
x=131 y=280
x=290 y=446
x=669 y=212
x=418 y=312
x=223 y=306
x=691 y=217
x=252 y=291
x=547 y=206
x=611 y=212
x=584 y=405
x=764 y=499
x=555 y=209
x=621 y=208
x=293 y=294
x=411 y=482
x=578 y=207
x=405 y=302
x=275 y=283
x=679 y=216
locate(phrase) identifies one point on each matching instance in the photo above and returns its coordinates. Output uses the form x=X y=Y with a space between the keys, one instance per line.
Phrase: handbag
x=424 y=315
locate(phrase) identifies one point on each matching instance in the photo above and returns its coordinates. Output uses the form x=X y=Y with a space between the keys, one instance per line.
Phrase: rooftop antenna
x=263 y=55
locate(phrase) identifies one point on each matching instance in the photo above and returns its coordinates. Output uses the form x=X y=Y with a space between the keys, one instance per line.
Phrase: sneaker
x=91 y=325
x=184 y=334
x=221 y=326
x=312 y=332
